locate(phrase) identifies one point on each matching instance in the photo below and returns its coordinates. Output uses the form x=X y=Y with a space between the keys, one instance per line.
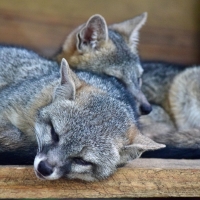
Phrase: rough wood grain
x=142 y=178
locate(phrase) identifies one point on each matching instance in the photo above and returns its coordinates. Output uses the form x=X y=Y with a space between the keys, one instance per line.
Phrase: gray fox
x=83 y=123
x=110 y=50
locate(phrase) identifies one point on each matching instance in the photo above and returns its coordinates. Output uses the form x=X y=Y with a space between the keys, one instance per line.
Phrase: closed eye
x=54 y=135
x=80 y=161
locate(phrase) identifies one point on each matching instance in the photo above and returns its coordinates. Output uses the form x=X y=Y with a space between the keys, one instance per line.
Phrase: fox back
x=18 y=64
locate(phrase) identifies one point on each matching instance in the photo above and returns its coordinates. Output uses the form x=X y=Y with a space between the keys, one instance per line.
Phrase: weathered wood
x=141 y=178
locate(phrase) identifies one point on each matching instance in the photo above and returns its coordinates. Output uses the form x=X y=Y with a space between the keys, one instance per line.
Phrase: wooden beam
x=140 y=178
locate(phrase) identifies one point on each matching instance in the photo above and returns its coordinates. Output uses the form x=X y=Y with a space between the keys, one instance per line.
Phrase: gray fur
x=83 y=130
x=109 y=50
x=115 y=54
x=16 y=61
x=156 y=80
x=174 y=92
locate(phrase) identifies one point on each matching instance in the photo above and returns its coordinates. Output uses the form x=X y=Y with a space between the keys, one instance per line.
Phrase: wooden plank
x=141 y=178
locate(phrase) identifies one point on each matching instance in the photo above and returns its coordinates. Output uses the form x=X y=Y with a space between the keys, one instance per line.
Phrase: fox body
x=84 y=124
x=108 y=50
x=18 y=64
x=169 y=85
x=173 y=91
x=157 y=79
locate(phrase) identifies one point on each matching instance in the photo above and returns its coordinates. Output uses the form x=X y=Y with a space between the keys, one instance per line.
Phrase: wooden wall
x=171 y=32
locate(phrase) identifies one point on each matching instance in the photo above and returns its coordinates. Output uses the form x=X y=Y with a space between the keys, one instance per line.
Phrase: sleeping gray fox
x=85 y=125
x=109 y=50
x=112 y=50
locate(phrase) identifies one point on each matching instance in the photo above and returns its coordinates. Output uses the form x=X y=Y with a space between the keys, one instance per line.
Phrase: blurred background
x=170 y=34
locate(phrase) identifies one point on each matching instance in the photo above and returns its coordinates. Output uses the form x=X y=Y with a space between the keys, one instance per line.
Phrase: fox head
x=84 y=133
x=110 y=50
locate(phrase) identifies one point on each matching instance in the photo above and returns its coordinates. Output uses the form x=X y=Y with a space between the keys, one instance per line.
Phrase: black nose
x=45 y=168
x=145 y=109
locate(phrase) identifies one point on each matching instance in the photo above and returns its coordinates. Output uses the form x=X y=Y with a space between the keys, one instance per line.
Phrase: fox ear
x=141 y=144
x=130 y=29
x=69 y=82
x=92 y=34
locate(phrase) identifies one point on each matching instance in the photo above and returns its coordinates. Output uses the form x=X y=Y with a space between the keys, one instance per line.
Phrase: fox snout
x=143 y=104
x=145 y=108
x=47 y=171
x=44 y=170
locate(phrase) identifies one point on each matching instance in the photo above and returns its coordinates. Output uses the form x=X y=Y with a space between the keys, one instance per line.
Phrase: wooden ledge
x=140 y=178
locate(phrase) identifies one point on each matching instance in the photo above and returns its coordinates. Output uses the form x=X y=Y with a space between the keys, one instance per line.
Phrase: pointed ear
x=130 y=29
x=69 y=82
x=141 y=144
x=93 y=33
